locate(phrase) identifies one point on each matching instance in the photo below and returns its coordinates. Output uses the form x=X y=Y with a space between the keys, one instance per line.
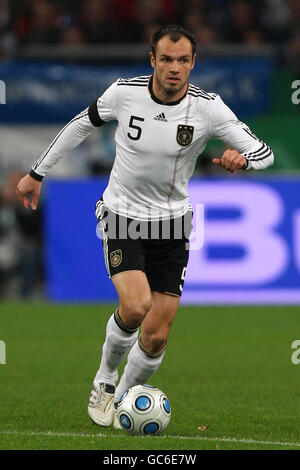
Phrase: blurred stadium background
x=57 y=57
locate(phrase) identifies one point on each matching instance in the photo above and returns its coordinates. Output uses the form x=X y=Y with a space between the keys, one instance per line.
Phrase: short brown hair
x=175 y=32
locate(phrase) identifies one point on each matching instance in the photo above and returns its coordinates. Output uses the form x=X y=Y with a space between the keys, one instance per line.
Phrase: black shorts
x=160 y=249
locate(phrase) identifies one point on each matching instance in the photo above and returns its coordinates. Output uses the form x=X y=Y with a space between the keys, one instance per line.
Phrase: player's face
x=172 y=63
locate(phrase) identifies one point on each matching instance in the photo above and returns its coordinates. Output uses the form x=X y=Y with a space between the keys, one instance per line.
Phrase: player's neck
x=158 y=92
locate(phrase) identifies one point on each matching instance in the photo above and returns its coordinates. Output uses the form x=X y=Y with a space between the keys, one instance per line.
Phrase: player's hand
x=28 y=192
x=231 y=160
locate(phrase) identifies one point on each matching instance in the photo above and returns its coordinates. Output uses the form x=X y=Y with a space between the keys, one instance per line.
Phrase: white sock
x=116 y=346
x=139 y=368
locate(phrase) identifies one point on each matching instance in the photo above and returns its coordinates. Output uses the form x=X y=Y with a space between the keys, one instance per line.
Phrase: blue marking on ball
x=123 y=396
x=151 y=428
x=142 y=403
x=166 y=405
x=125 y=422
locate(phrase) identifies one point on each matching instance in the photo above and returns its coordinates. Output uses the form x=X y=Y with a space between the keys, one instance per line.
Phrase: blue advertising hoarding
x=245 y=243
x=54 y=93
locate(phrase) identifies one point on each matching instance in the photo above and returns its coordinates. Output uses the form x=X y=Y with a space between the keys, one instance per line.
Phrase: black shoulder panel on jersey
x=94 y=115
x=199 y=93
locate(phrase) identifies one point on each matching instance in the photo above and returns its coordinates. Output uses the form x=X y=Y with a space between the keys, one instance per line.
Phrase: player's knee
x=134 y=312
x=155 y=342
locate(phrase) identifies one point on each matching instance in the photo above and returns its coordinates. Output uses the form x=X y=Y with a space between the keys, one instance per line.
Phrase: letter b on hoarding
x=2 y=92
x=2 y=352
x=264 y=251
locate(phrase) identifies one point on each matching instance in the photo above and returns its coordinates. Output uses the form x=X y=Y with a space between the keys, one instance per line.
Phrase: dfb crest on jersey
x=116 y=258
x=184 y=134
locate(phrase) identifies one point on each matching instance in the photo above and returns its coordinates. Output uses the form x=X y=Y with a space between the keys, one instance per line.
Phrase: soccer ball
x=143 y=410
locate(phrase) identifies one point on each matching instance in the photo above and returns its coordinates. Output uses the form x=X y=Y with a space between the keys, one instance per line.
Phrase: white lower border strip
x=197 y=438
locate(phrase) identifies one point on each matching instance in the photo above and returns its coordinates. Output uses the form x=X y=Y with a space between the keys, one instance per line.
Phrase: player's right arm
x=28 y=192
x=99 y=112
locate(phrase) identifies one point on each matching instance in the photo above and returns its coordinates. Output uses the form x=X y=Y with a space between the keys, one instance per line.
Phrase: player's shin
x=119 y=339
x=141 y=365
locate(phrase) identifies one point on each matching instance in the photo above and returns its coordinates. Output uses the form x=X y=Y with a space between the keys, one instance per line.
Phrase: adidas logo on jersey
x=161 y=117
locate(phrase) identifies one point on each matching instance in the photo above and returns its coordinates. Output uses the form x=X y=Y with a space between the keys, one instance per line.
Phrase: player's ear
x=193 y=61
x=152 y=59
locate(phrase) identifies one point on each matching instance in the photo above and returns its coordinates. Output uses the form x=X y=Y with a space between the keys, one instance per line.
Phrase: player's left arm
x=248 y=151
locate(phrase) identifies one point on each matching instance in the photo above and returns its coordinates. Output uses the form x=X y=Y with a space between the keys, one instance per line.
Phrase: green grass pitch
x=226 y=367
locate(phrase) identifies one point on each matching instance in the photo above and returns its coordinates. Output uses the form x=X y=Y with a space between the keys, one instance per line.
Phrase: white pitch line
x=197 y=438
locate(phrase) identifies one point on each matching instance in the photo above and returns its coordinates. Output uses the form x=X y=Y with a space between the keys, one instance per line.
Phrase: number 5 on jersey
x=138 y=130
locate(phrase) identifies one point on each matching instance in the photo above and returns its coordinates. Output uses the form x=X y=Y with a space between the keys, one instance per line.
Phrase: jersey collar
x=157 y=100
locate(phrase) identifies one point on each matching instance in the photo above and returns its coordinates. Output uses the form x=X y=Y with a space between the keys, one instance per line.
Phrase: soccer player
x=164 y=123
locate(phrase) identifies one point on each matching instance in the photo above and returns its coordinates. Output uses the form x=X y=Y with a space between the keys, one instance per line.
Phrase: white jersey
x=157 y=145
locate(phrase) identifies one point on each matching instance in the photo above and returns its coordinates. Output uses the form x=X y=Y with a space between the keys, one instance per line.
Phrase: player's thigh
x=166 y=258
x=125 y=263
x=134 y=294
x=166 y=267
x=157 y=324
